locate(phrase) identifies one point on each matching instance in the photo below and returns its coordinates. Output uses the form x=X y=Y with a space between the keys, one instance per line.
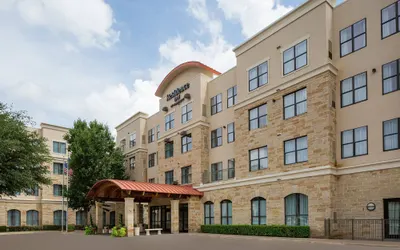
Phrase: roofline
x=278 y=21
x=53 y=126
x=234 y=67
x=138 y=115
x=181 y=67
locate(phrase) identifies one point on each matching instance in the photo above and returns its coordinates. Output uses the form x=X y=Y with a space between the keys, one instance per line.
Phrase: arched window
x=296 y=210
x=14 y=218
x=112 y=218
x=57 y=215
x=208 y=213
x=226 y=212
x=258 y=211
x=80 y=218
x=32 y=218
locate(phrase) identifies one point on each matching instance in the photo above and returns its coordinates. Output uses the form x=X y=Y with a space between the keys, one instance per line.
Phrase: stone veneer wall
x=318 y=123
x=139 y=173
x=197 y=157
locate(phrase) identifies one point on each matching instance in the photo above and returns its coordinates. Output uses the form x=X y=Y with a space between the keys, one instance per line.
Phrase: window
x=296 y=210
x=216 y=171
x=57 y=217
x=232 y=93
x=169 y=121
x=295 y=57
x=187 y=113
x=152 y=180
x=258 y=117
x=186 y=175
x=354 y=89
x=295 y=103
x=112 y=219
x=57 y=190
x=122 y=144
x=59 y=147
x=258 y=211
x=296 y=150
x=231 y=132
x=169 y=177
x=32 y=191
x=104 y=218
x=80 y=218
x=13 y=218
x=231 y=168
x=32 y=218
x=353 y=38
x=208 y=213
x=169 y=149
x=391 y=76
x=216 y=104
x=151 y=135
x=258 y=76
x=158 y=132
x=186 y=143
x=152 y=160
x=57 y=168
x=132 y=162
x=132 y=140
x=226 y=212
x=390 y=19
x=355 y=142
x=258 y=158
x=216 y=138
x=391 y=138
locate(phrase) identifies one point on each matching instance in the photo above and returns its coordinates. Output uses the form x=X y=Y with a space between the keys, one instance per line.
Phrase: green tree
x=94 y=157
x=23 y=153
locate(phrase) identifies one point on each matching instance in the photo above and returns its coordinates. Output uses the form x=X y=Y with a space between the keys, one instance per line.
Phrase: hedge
x=3 y=229
x=22 y=228
x=71 y=227
x=259 y=230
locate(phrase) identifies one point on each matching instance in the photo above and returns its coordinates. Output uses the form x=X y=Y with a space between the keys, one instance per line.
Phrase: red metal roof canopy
x=141 y=187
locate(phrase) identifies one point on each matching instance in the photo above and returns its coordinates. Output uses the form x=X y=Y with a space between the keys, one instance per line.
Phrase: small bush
x=51 y=227
x=259 y=230
x=71 y=227
x=89 y=230
x=118 y=232
x=3 y=229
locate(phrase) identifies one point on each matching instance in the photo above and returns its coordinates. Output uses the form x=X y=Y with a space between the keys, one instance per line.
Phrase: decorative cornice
x=188 y=126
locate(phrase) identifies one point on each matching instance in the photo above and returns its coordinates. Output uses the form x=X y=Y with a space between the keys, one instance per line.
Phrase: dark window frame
x=231 y=170
x=151 y=135
x=231 y=97
x=59 y=148
x=258 y=158
x=353 y=90
x=397 y=18
x=297 y=215
x=60 y=190
x=58 y=172
x=14 y=214
x=31 y=213
x=217 y=175
x=259 y=216
x=398 y=77
x=294 y=104
x=169 y=175
x=215 y=104
x=294 y=58
x=215 y=137
x=353 y=38
x=170 y=123
x=231 y=132
x=295 y=150
x=186 y=175
x=186 y=113
x=169 y=149
x=152 y=160
x=353 y=142
x=258 y=116
x=209 y=220
x=227 y=217
x=258 y=76
x=398 y=135
x=185 y=145
x=132 y=163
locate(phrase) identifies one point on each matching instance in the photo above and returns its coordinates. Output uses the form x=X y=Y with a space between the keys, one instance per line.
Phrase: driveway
x=76 y=240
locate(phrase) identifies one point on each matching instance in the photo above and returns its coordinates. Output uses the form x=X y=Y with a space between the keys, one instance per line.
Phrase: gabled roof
x=179 y=69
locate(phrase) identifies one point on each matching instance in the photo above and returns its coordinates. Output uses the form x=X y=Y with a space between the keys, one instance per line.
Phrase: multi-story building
x=43 y=205
x=304 y=127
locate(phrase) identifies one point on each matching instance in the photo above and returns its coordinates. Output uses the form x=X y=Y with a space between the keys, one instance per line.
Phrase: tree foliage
x=94 y=157
x=23 y=153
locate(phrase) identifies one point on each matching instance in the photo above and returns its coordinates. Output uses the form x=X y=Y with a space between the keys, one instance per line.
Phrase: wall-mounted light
x=373 y=70
x=277 y=90
x=165 y=109
x=278 y=134
x=224 y=126
x=273 y=100
x=279 y=47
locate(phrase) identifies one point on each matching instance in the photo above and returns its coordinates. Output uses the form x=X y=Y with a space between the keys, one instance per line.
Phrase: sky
x=61 y=60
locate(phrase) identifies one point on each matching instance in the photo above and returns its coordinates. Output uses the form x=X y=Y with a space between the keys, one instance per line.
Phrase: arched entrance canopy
x=118 y=190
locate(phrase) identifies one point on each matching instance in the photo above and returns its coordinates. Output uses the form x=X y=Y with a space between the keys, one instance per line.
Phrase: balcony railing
x=219 y=175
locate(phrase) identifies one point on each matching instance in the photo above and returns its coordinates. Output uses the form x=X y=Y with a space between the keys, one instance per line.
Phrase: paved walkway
x=76 y=240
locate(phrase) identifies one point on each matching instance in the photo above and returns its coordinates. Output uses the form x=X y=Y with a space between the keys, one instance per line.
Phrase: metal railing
x=220 y=175
x=362 y=229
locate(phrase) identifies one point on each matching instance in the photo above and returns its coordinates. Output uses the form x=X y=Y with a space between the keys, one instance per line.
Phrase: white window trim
x=283 y=49
x=267 y=59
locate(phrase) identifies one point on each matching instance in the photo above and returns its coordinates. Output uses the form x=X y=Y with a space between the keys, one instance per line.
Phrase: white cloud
x=253 y=15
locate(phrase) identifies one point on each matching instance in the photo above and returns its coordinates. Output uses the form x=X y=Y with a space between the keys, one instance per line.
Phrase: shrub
x=79 y=227
x=89 y=230
x=3 y=229
x=22 y=228
x=51 y=227
x=259 y=230
x=71 y=227
x=118 y=232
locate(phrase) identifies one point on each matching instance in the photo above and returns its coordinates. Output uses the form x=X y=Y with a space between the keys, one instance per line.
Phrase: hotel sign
x=176 y=93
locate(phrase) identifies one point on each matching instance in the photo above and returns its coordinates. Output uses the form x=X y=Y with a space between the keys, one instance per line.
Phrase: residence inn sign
x=176 y=93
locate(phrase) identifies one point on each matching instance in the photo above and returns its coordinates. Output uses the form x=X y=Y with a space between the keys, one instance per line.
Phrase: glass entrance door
x=392 y=218
x=160 y=217
x=183 y=218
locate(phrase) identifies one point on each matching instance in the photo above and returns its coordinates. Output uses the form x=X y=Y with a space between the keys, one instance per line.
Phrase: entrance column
x=174 y=216
x=194 y=217
x=129 y=216
x=137 y=214
x=99 y=217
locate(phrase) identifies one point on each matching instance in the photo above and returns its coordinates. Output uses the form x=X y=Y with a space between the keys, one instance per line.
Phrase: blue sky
x=103 y=59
